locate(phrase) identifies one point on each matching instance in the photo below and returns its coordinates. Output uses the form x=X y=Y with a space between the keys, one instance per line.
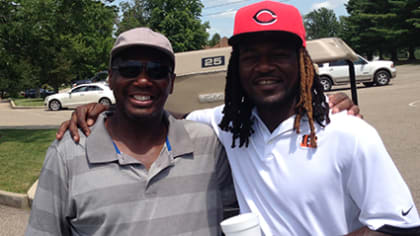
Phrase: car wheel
x=326 y=83
x=105 y=101
x=382 y=77
x=54 y=105
x=368 y=84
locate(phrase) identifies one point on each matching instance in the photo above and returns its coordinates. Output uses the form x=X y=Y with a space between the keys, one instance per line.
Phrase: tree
x=16 y=70
x=53 y=41
x=90 y=35
x=360 y=26
x=321 y=23
x=179 y=21
x=133 y=16
x=408 y=20
x=176 y=19
x=56 y=41
x=383 y=26
x=215 y=39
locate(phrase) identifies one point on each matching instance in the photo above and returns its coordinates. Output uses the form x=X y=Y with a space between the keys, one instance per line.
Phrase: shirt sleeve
x=50 y=205
x=377 y=187
x=206 y=116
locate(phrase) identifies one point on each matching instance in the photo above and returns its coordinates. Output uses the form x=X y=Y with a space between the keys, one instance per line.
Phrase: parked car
x=367 y=72
x=100 y=76
x=82 y=94
x=32 y=93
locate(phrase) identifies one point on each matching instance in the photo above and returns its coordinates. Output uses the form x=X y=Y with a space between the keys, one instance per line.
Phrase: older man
x=140 y=172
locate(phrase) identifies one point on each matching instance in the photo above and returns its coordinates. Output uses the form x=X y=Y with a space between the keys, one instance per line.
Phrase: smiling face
x=268 y=70
x=141 y=96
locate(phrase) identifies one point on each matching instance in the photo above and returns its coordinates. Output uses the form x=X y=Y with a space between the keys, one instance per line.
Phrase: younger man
x=301 y=172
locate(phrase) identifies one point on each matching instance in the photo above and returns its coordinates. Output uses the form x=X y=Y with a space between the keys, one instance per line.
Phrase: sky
x=220 y=13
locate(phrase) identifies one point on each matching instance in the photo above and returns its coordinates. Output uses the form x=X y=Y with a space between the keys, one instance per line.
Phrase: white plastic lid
x=239 y=222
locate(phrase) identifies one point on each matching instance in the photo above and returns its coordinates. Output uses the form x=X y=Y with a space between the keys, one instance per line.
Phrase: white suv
x=367 y=72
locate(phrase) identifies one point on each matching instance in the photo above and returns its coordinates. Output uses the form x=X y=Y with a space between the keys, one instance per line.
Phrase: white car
x=367 y=72
x=82 y=94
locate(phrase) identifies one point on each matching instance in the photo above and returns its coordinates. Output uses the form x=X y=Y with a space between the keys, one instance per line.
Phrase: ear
x=111 y=79
x=172 y=81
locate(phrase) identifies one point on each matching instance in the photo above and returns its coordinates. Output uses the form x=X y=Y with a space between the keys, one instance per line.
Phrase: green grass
x=22 y=153
x=29 y=102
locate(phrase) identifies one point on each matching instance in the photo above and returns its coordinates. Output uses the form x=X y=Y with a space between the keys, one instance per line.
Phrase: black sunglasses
x=132 y=69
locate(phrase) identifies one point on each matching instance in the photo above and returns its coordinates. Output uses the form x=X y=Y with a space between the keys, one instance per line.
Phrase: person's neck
x=274 y=115
x=139 y=136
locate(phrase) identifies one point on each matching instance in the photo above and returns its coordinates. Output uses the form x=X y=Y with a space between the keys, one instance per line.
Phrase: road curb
x=13 y=106
x=16 y=200
x=19 y=200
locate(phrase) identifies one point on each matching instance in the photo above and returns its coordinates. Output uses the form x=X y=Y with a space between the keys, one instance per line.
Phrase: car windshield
x=94 y=88
x=338 y=63
x=360 y=61
x=80 y=89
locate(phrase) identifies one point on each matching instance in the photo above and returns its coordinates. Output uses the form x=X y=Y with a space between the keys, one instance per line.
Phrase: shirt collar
x=179 y=139
x=284 y=127
x=99 y=147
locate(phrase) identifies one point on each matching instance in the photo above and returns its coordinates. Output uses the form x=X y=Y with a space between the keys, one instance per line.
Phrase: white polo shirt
x=347 y=182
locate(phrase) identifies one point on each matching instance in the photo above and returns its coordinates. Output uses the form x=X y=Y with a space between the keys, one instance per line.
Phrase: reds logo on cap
x=265 y=17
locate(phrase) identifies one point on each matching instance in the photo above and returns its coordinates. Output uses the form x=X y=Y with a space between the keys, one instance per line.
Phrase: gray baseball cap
x=143 y=36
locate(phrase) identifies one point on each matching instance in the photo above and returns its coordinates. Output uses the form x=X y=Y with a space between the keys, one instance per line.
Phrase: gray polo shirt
x=89 y=189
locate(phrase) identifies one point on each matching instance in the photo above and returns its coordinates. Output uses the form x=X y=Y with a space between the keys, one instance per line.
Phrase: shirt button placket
x=268 y=154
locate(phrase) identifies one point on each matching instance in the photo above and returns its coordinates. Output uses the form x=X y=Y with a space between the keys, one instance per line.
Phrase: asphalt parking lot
x=32 y=118
x=393 y=110
x=13 y=221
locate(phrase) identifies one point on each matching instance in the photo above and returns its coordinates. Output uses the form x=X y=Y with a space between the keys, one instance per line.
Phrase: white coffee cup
x=246 y=224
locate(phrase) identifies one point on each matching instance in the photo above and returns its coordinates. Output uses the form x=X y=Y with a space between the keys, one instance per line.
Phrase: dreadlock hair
x=238 y=107
x=311 y=97
x=237 y=111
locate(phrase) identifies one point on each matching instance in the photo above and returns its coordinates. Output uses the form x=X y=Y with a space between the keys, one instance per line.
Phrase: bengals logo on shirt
x=306 y=141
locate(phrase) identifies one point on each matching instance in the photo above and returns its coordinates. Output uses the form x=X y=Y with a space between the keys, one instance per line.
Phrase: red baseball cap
x=268 y=16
